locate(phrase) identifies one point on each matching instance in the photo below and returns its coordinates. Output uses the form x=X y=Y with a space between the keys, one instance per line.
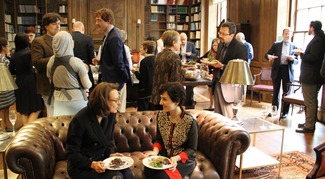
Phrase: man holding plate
x=282 y=56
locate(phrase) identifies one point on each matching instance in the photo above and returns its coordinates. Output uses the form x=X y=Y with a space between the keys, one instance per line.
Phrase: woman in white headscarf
x=68 y=77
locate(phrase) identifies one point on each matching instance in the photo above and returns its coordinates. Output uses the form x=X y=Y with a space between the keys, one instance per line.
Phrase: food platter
x=206 y=60
x=296 y=51
x=146 y=162
x=128 y=161
x=186 y=65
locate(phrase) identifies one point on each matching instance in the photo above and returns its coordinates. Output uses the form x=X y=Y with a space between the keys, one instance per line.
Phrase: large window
x=305 y=11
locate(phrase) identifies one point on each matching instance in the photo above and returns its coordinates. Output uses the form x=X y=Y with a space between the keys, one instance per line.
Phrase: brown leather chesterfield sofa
x=37 y=150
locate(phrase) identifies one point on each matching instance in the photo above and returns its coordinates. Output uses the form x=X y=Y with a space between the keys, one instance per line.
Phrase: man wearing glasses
x=229 y=50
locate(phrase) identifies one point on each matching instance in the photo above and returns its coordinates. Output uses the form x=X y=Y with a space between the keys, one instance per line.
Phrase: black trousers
x=284 y=76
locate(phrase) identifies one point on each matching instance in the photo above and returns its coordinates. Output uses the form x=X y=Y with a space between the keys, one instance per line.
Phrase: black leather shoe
x=212 y=109
x=305 y=130
x=301 y=125
x=284 y=115
x=269 y=115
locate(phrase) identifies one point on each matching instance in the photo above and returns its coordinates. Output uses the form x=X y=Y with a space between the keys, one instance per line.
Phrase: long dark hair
x=317 y=25
x=21 y=41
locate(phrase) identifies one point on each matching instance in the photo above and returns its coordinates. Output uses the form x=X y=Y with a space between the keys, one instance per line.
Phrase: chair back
x=266 y=74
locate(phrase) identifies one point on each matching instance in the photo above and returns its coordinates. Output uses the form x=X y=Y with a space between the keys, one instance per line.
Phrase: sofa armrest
x=221 y=141
x=34 y=151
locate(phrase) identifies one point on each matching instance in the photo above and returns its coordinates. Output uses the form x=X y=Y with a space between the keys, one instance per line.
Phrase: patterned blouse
x=168 y=68
x=179 y=138
x=7 y=98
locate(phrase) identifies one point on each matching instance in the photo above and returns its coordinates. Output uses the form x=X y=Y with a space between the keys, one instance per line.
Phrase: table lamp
x=7 y=83
x=237 y=72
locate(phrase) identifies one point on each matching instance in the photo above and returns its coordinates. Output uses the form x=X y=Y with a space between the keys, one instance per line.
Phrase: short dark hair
x=30 y=30
x=175 y=91
x=106 y=15
x=150 y=46
x=151 y=38
x=99 y=98
x=3 y=43
x=231 y=26
x=21 y=41
x=49 y=18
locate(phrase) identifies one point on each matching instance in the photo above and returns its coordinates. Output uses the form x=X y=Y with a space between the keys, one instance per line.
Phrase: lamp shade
x=7 y=83
x=237 y=72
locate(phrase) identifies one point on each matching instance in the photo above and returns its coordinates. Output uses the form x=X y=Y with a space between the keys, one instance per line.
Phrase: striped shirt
x=7 y=98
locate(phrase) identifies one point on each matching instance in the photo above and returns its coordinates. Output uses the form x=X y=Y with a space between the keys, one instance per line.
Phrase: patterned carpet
x=295 y=165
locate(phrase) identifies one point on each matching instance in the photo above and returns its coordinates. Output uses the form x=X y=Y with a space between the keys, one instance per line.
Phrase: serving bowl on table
x=192 y=75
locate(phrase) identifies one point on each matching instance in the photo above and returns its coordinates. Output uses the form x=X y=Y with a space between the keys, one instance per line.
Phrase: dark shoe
x=212 y=109
x=284 y=115
x=305 y=130
x=301 y=125
x=269 y=115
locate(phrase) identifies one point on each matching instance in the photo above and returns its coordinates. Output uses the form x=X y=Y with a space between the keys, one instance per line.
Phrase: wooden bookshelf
x=8 y=21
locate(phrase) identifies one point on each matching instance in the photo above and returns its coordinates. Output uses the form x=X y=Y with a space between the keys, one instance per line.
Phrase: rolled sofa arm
x=221 y=141
x=34 y=151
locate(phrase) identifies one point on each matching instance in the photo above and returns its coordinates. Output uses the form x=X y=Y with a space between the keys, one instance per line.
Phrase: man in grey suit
x=310 y=78
x=83 y=47
x=282 y=56
x=187 y=49
x=41 y=50
x=231 y=49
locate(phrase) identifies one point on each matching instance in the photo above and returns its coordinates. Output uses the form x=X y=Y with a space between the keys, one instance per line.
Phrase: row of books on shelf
x=158 y=1
x=197 y=44
x=182 y=2
x=182 y=27
x=64 y=20
x=177 y=18
x=154 y=17
x=26 y=19
x=196 y=1
x=8 y=18
x=195 y=9
x=28 y=9
x=21 y=28
x=195 y=35
x=196 y=17
x=10 y=36
x=171 y=26
x=158 y=9
x=9 y=28
x=182 y=9
x=195 y=26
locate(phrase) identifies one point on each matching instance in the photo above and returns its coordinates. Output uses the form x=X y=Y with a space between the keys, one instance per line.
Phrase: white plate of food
x=189 y=64
x=157 y=162
x=289 y=56
x=118 y=163
x=209 y=62
x=296 y=51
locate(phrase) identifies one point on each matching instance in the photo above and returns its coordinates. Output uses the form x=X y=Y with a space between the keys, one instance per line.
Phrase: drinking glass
x=274 y=110
x=13 y=118
x=264 y=112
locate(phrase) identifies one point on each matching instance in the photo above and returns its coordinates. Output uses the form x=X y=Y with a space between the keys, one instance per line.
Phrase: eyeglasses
x=114 y=101
x=223 y=34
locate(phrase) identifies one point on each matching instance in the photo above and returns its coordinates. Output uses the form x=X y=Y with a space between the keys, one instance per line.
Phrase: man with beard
x=231 y=49
x=281 y=55
x=310 y=78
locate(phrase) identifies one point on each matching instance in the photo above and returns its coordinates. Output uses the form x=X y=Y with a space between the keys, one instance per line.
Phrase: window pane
x=224 y=4
x=302 y=23
x=298 y=39
x=323 y=3
x=323 y=16
x=302 y=4
x=224 y=14
x=314 y=14
x=314 y=3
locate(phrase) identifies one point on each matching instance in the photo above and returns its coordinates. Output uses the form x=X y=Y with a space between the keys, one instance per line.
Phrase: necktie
x=287 y=43
x=222 y=53
x=104 y=38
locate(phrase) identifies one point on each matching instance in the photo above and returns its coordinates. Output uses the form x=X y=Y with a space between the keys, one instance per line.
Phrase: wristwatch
x=222 y=65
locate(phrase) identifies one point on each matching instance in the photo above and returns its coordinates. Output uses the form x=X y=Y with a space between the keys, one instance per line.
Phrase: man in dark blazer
x=41 y=50
x=187 y=49
x=310 y=78
x=114 y=64
x=83 y=47
x=229 y=50
x=283 y=58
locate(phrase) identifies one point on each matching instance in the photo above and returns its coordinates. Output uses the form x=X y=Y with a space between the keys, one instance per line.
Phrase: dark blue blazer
x=114 y=64
x=276 y=50
x=190 y=47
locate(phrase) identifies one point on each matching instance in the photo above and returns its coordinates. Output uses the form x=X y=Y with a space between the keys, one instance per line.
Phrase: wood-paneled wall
x=262 y=15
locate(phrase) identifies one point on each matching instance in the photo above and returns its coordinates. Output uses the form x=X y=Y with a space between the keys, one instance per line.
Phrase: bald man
x=83 y=47
x=187 y=49
x=241 y=37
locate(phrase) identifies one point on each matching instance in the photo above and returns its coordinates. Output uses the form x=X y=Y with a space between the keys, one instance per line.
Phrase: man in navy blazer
x=283 y=58
x=113 y=61
x=187 y=49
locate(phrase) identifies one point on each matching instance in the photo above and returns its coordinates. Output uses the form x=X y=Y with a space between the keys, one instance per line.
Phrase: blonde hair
x=169 y=36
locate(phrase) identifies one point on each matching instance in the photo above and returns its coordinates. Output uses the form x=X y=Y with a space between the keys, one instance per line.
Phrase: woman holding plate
x=177 y=135
x=90 y=136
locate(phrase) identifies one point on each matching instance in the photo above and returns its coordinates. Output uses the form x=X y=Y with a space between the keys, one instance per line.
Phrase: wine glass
x=274 y=110
x=13 y=118
x=264 y=112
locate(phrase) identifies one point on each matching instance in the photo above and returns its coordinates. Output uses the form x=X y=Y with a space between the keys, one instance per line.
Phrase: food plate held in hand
x=209 y=61
x=118 y=163
x=157 y=162
x=189 y=64
x=296 y=51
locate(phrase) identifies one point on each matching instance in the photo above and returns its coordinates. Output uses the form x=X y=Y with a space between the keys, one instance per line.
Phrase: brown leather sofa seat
x=37 y=151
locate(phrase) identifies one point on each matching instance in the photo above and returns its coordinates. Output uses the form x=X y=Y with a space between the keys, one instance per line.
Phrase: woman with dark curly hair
x=177 y=135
